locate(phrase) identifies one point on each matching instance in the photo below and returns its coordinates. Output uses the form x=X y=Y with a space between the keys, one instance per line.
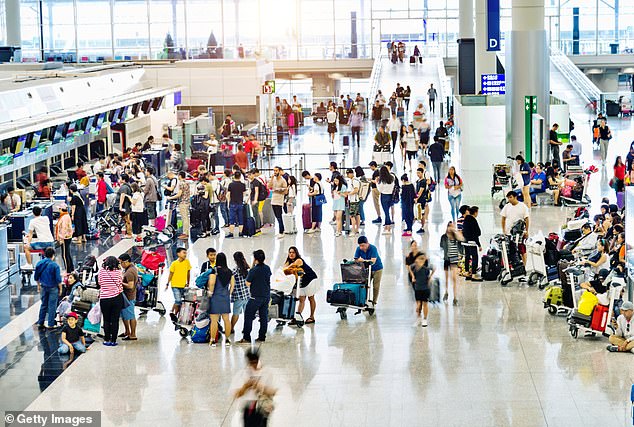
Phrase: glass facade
x=92 y=30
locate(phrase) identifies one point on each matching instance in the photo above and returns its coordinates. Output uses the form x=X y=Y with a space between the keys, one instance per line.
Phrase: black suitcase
x=340 y=296
x=572 y=235
x=580 y=319
x=412 y=60
x=280 y=134
x=490 y=267
x=346 y=141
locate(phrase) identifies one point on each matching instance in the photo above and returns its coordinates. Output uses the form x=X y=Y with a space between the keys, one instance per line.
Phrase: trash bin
x=614 y=48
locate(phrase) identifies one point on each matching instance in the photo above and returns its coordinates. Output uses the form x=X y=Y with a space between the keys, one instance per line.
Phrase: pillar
x=466 y=49
x=527 y=74
x=12 y=11
x=325 y=87
x=485 y=61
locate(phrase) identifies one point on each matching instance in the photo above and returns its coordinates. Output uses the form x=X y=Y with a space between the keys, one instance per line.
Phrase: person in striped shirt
x=110 y=280
x=450 y=244
x=241 y=294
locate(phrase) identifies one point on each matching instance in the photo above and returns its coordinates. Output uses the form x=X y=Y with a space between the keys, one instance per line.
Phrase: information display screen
x=493 y=84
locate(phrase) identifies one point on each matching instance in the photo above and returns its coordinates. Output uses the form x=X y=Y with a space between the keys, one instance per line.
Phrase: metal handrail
x=582 y=84
x=375 y=78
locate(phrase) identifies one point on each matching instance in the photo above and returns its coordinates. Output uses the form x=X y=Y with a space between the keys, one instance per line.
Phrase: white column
x=465 y=18
x=466 y=49
x=485 y=61
x=12 y=11
x=527 y=73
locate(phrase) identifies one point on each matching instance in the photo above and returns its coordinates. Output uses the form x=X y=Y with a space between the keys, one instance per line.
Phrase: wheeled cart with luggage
x=284 y=297
x=354 y=290
x=193 y=304
x=591 y=317
x=149 y=271
x=540 y=274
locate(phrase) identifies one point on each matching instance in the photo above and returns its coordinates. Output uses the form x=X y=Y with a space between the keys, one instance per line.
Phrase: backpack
x=167 y=192
x=159 y=196
x=396 y=192
x=221 y=193
x=364 y=189
x=263 y=192
x=203 y=278
x=201 y=332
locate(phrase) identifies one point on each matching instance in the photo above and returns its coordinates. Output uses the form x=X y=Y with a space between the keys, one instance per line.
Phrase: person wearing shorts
x=150 y=194
x=354 y=202
x=179 y=278
x=130 y=279
x=307 y=287
x=422 y=291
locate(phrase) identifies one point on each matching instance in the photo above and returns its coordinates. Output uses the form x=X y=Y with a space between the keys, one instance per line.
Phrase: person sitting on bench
x=39 y=236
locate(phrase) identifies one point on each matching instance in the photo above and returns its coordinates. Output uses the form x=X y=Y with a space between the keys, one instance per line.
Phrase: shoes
x=467 y=278
x=421 y=231
x=310 y=231
x=445 y=298
x=214 y=344
x=123 y=335
x=50 y=328
x=455 y=302
x=260 y=340
x=333 y=222
x=227 y=343
x=173 y=317
x=280 y=236
x=258 y=233
x=215 y=232
x=229 y=236
x=612 y=348
x=362 y=224
x=476 y=279
x=406 y=234
x=377 y=221
x=424 y=323
x=28 y=267
x=107 y=343
x=243 y=341
x=317 y=230
x=41 y=326
x=337 y=234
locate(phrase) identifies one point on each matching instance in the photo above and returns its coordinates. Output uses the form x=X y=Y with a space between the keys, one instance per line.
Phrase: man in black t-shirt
x=125 y=203
x=553 y=141
x=374 y=167
x=235 y=198
x=259 y=283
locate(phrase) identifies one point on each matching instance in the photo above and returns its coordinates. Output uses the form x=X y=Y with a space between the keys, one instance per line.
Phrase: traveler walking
x=450 y=244
x=377 y=110
x=410 y=145
x=555 y=143
x=422 y=290
x=436 y=153
x=471 y=232
x=279 y=188
x=49 y=285
x=356 y=122
x=64 y=235
x=256 y=388
x=110 y=298
x=394 y=126
x=605 y=135
x=331 y=119
x=422 y=196
x=407 y=95
x=235 y=198
x=353 y=185
x=179 y=278
x=454 y=185
x=408 y=195
x=432 y=94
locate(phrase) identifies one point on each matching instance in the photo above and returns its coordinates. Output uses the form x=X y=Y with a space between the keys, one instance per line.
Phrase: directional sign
x=268 y=87
x=493 y=84
x=493 y=25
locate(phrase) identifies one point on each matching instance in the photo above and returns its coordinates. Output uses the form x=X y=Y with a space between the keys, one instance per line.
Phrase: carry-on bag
x=307 y=221
x=290 y=225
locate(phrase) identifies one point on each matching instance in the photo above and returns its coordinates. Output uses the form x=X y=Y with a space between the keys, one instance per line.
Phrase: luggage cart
x=501 y=178
x=354 y=291
x=149 y=281
x=584 y=201
x=512 y=266
x=190 y=309
x=540 y=273
x=598 y=326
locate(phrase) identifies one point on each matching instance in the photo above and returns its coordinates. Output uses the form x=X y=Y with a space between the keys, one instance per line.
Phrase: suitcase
x=248 y=230
x=620 y=200
x=340 y=297
x=587 y=302
x=572 y=235
x=346 y=141
x=307 y=221
x=290 y=225
x=554 y=295
x=580 y=319
x=434 y=295
x=358 y=290
x=283 y=306
x=412 y=59
x=600 y=317
x=490 y=268
x=291 y=120
x=192 y=165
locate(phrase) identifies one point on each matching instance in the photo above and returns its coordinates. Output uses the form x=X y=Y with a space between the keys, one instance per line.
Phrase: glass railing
x=583 y=85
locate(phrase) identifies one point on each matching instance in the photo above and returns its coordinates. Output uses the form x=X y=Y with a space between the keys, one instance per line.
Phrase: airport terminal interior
x=132 y=131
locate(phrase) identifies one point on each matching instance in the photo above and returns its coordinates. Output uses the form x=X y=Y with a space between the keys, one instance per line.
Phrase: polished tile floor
x=496 y=359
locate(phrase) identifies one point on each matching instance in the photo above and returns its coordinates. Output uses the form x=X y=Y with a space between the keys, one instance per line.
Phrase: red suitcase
x=291 y=120
x=600 y=317
x=192 y=165
x=307 y=221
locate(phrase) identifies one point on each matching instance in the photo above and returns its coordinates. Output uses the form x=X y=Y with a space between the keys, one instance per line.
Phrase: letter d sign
x=493 y=25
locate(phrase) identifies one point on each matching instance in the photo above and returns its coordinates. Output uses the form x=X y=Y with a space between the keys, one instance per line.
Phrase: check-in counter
x=4 y=241
x=20 y=220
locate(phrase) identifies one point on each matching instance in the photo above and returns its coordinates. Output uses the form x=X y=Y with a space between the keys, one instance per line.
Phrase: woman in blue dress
x=220 y=287
x=315 y=209
x=339 y=201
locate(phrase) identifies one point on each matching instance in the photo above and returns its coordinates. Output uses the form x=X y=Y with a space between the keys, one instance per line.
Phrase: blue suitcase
x=357 y=289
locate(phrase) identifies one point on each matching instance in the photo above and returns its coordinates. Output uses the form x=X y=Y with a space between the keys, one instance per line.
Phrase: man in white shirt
x=15 y=201
x=587 y=242
x=212 y=152
x=255 y=387
x=513 y=212
x=39 y=236
x=380 y=98
x=576 y=151
x=353 y=185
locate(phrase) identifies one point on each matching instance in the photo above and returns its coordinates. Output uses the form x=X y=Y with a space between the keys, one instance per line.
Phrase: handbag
x=126 y=301
x=94 y=315
x=320 y=199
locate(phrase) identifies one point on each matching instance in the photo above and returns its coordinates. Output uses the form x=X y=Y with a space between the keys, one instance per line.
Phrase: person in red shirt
x=241 y=158
x=102 y=191
x=40 y=177
x=619 y=175
x=80 y=172
x=44 y=191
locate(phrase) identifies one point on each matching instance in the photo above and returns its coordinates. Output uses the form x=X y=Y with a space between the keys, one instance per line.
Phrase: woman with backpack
x=450 y=244
x=453 y=184
x=339 y=201
x=220 y=286
x=385 y=184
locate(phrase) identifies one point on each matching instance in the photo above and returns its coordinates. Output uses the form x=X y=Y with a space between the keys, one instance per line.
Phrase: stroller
x=512 y=264
x=194 y=303
x=284 y=297
x=353 y=292
x=108 y=222
x=502 y=179
x=150 y=268
x=576 y=194
x=162 y=232
x=601 y=315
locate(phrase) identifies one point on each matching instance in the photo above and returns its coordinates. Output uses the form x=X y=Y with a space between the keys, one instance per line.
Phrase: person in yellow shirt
x=179 y=279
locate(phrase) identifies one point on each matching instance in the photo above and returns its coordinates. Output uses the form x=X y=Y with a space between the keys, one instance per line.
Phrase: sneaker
x=28 y=267
x=258 y=233
x=41 y=326
x=337 y=234
x=229 y=236
x=215 y=232
x=424 y=323
x=377 y=221
x=362 y=224
x=260 y=340
x=310 y=231
x=107 y=343
x=173 y=317
x=333 y=223
x=406 y=234
x=455 y=302
x=421 y=231
x=280 y=236
x=612 y=348
x=445 y=298
x=214 y=344
x=317 y=230
x=227 y=343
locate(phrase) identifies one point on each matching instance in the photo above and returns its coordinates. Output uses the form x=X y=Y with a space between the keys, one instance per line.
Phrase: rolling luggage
x=580 y=319
x=290 y=225
x=249 y=227
x=554 y=295
x=307 y=221
x=412 y=59
x=490 y=267
x=600 y=317
x=356 y=292
x=282 y=306
x=346 y=141
x=291 y=120
x=434 y=286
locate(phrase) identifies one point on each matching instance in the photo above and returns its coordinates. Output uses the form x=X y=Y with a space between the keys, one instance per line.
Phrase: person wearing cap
x=367 y=252
x=622 y=340
x=72 y=336
x=130 y=279
x=64 y=235
x=376 y=194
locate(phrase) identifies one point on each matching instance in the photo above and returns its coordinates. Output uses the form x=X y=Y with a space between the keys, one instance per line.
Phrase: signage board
x=493 y=84
x=493 y=25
